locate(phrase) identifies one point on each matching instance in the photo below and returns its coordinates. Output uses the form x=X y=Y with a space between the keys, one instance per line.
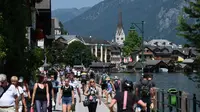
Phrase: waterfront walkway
x=79 y=106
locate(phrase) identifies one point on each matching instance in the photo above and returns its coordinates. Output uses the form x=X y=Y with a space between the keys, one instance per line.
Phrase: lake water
x=166 y=81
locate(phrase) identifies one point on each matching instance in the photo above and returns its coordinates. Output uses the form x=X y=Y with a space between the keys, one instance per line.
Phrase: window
x=117 y=38
x=122 y=39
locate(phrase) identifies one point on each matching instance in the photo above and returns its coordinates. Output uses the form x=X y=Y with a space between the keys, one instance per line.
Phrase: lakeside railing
x=178 y=101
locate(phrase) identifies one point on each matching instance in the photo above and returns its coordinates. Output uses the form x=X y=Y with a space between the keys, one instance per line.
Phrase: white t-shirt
x=75 y=85
x=8 y=98
x=75 y=72
x=19 y=92
x=61 y=73
x=25 y=91
x=79 y=73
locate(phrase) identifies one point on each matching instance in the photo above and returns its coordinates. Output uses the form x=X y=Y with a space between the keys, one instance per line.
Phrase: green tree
x=63 y=31
x=2 y=48
x=15 y=16
x=186 y=45
x=131 y=43
x=77 y=53
x=34 y=59
x=189 y=27
x=2 y=43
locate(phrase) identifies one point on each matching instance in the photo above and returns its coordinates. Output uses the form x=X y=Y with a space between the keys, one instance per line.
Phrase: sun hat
x=108 y=78
x=116 y=78
x=21 y=79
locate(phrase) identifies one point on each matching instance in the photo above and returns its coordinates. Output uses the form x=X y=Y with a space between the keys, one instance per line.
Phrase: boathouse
x=154 y=65
x=101 y=67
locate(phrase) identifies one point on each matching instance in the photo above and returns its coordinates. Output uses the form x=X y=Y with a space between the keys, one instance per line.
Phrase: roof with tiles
x=66 y=37
x=169 y=49
x=152 y=62
x=93 y=40
x=161 y=42
x=188 y=61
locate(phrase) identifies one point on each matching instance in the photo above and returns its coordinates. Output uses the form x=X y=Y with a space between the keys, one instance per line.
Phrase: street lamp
x=142 y=47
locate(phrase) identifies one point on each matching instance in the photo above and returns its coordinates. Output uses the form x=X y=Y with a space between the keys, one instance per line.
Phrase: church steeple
x=120 y=35
x=120 y=24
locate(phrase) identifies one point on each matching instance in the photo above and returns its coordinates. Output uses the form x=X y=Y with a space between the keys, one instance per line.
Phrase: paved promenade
x=80 y=108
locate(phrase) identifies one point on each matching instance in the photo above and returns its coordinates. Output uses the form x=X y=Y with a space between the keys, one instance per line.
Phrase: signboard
x=45 y=4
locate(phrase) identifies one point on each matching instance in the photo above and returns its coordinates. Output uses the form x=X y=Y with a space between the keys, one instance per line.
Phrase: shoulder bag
x=5 y=90
x=86 y=102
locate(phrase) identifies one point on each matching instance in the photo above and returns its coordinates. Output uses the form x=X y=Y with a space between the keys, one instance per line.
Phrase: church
x=120 y=35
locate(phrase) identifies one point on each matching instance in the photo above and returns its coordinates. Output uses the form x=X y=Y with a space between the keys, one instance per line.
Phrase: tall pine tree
x=132 y=42
x=189 y=26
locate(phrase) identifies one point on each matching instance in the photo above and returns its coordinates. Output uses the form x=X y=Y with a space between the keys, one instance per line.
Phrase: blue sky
x=72 y=3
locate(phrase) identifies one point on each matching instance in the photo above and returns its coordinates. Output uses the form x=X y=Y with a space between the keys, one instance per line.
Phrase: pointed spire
x=120 y=25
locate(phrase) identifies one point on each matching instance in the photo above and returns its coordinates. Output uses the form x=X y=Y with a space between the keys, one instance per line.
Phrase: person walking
x=145 y=91
x=8 y=96
x=26 y=92
x=117 y=84
x=55 y=84
x=102 y=82
x=126 y=99
x=75 y=85
x=92 y=94
x=21 y=99
x=40 y=95
x=67 y=96
x=51 y=92
x=110 y=88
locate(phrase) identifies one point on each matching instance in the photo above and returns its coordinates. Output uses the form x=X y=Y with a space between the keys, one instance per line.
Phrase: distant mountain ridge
x=67 y=14
x=160 y=18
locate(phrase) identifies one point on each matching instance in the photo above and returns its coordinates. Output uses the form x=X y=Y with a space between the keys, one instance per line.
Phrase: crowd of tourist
x=17 y=96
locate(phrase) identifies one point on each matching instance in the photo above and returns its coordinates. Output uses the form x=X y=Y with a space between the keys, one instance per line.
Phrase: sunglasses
x=91 y=81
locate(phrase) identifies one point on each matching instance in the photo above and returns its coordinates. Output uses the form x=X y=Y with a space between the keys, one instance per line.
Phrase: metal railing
x=175 y=102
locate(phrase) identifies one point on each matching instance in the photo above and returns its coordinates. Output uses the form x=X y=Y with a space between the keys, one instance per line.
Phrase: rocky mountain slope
x=67 y=14
x=100 y=21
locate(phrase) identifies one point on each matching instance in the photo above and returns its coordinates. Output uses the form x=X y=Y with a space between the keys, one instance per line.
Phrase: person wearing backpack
x=126 y=99
x=110 y=89
x=117 y=84
x=144 y=91
x=103 y=83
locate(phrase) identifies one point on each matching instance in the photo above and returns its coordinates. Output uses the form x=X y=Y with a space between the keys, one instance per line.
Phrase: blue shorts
x=109 y=91
x=67 y=100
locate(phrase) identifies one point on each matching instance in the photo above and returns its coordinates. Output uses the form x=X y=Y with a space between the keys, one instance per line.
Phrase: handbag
x=86 y=102
x=53 y=103
x=32 y=109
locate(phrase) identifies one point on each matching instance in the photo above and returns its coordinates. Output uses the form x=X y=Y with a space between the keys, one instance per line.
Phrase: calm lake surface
x=166 y=81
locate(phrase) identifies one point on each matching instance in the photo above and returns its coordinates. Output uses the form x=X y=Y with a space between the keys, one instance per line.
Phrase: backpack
x=116 y=84
x=84 y=77
x=104 y=78
x=145 y=90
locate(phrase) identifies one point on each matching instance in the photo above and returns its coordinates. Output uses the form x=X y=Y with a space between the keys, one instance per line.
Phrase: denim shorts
x=67 y=100
x=109 y=91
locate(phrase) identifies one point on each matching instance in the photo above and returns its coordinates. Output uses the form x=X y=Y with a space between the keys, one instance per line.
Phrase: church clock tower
x=120 y=35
